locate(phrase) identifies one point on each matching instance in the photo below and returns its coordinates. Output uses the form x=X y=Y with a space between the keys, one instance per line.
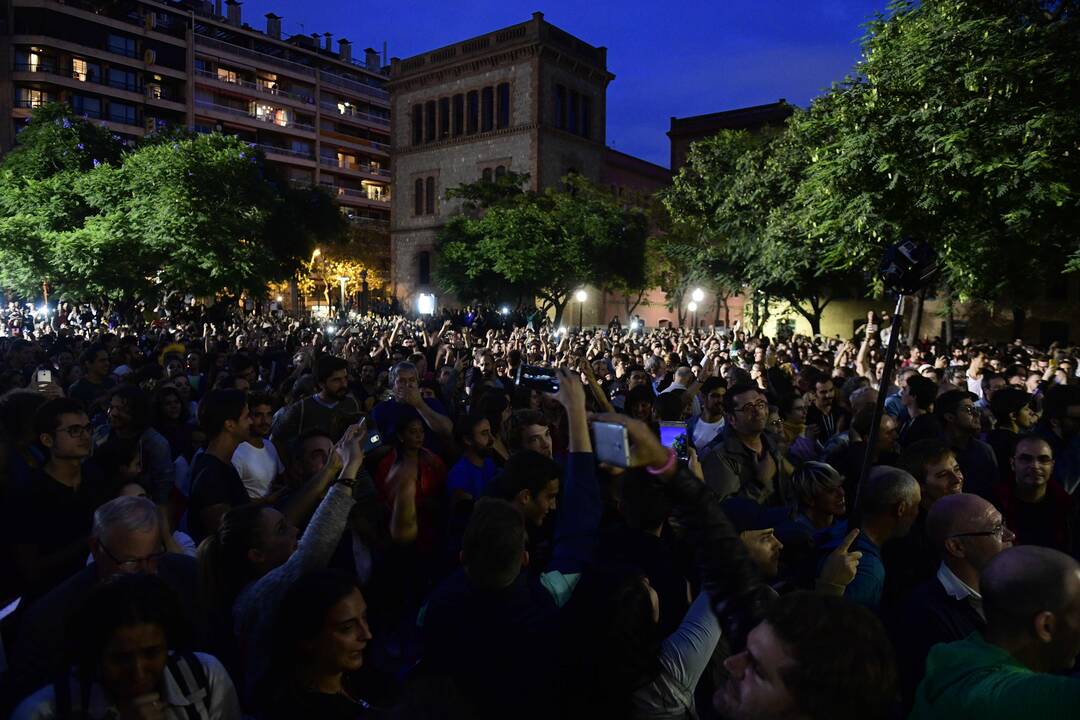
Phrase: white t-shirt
x=704 y=432
x=257 y=467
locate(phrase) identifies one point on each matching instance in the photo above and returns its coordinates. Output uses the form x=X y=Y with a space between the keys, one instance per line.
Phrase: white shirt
x=705 y=432
x=257 y=467
x=957 y=588
x=222 y=702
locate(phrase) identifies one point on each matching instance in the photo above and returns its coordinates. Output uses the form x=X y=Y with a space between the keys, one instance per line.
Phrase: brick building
x=688 y=129
x=528 y=99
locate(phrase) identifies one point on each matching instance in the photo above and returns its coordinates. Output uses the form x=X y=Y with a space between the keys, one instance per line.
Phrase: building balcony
x=262 y=59
x=355 y=196
x=255 y=88
x=355 y=169
x=231 y=112
x=349 y=113
x=288 y=155
x=350 y=141
x=68 y=78
x=353 y=86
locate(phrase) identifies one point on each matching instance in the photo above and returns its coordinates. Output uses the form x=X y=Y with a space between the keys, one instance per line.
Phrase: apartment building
x=320 y=113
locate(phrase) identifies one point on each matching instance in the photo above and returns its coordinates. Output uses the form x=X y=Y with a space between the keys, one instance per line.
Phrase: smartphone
x=673 y=435
x=373 y=441
x=611 y=444
x=44 y=377
x=535 y=377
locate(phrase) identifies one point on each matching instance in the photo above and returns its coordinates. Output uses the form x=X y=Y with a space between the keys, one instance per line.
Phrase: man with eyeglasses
x=47 y=518
x=1034 y=504
x=1031 y=599
x=746 y=462
x=960 y=422
x=967 y=532
x=126 y=539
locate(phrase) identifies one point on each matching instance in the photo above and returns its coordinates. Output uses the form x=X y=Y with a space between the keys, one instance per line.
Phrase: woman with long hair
x=319 y=635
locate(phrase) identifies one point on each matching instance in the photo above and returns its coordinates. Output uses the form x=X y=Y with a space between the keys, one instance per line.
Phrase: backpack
x=185 y=669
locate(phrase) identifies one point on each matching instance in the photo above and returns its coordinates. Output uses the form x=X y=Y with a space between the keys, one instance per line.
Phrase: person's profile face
x=755 y=688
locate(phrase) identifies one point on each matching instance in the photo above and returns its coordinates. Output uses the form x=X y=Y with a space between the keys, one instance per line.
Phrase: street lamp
x=581 y=296
x=698 y=295
x=504 y=310
x=692 y=307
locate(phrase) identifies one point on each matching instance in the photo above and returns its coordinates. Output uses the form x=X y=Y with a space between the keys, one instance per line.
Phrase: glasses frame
x=133 y=564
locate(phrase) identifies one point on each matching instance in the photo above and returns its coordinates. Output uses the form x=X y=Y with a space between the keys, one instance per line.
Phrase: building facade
x=142 y=65
x=685 y=131
x=528 y=99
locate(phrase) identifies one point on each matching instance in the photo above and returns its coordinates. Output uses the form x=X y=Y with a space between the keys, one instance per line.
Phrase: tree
x=958 y=126
x=541 y=245
x=198 y=214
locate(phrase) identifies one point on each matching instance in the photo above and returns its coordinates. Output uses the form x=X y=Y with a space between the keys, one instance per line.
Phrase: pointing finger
x=848 y=540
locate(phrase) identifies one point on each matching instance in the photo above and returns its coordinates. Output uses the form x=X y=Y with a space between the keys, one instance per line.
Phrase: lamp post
x=698 y=296
x=692 y=307
x=581 y=296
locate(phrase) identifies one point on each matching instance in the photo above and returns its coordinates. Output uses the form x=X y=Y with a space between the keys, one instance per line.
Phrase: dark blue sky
x=683 y=57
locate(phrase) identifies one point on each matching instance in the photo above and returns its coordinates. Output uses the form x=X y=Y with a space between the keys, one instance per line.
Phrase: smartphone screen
x=670 y=432
x=44 y=377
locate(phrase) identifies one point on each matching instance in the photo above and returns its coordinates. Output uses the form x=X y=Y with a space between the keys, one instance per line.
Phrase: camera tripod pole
x=879 y=408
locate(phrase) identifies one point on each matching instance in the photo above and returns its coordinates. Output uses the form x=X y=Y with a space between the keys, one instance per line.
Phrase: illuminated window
x=226 y=75
x=269 y=113
x=30 y=98
x=266 y=84
x=375 y=192
x=79 y=69
x=346 y=161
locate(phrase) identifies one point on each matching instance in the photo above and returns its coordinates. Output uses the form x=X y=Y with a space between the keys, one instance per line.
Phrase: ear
x=524 y=497
x=46 y=440
x=255 y=556
x=524 y=558
x=954 y=547
x=1044 y=625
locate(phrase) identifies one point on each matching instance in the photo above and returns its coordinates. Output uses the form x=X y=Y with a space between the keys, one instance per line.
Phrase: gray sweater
x=257 y=604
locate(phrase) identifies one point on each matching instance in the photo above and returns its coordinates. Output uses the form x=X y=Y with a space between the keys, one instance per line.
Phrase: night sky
x=681 y=58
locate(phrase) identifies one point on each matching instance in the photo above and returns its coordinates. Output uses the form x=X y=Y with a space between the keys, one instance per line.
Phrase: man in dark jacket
x=968 y=532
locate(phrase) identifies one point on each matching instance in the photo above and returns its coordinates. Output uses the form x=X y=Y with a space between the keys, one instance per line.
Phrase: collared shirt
x=958 y=589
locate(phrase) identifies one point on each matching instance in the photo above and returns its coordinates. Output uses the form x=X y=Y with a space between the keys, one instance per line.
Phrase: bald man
x=1031 y=599
x=967 y=532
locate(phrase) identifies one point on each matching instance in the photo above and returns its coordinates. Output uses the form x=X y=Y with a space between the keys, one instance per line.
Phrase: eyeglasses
x=76 y=430
x=999 y=531
x=133 y=564
x=759 y=406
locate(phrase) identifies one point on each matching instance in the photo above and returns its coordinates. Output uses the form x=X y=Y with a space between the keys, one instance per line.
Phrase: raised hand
x=840 y=567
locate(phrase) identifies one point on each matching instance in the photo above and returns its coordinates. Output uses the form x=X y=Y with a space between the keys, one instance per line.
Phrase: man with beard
x=702 y=430
x=329 y=411
x=471 y=476
x=1035 y=506
x=215 y=485
x=256 y=459
x=824 y=413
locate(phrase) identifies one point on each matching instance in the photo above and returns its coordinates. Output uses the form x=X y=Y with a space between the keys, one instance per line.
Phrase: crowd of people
x=218 y=514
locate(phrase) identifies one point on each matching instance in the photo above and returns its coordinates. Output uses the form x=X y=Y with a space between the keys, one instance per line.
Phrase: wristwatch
x=347 y=482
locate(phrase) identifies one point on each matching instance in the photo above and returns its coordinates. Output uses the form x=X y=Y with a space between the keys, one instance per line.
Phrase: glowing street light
x=504 y=310
x=581 y=296
x=692 y=307
x=698 y=295
x=343 y=279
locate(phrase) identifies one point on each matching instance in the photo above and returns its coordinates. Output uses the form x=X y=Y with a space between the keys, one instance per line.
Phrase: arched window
x=500 y=171
x=429 y=200
x=502 y=116
x=487 y=174
x=418 y=197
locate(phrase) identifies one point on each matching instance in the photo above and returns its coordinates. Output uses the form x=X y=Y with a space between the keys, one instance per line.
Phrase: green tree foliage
x=539 y=245
x=959 y=126
x=180 y=213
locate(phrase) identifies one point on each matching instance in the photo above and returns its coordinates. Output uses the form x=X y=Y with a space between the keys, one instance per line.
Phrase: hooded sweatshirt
x=972 y=678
